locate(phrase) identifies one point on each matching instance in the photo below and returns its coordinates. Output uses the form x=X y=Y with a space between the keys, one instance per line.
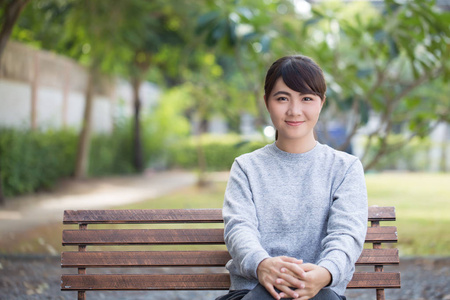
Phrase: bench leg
x=82 y=295
x=380 y=294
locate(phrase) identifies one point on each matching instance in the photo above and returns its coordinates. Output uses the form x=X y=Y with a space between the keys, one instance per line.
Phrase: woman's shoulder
x=337 y=156
x=255 y=155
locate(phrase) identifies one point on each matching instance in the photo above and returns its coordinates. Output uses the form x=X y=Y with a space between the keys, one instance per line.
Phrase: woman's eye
x=307 y=99
x=282 y=99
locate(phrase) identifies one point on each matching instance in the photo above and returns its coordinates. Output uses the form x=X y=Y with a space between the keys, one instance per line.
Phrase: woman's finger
x=272 y=291
x=291 y=281
x=286 y=292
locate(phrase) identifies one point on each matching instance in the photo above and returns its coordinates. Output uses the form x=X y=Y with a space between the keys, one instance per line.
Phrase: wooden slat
x=178 y=216
x=379 y=280
x=143 y=216
x=379 y=257
x=381 y=213
x=360 y=280
x=387 y=234
x=143 y=236
x=384 y=234
x=102 y=259
x=146 y=282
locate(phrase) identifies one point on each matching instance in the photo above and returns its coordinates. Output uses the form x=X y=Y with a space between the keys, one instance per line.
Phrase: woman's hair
x=300 y=73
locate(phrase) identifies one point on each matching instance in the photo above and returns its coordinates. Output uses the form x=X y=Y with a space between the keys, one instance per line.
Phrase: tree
x=375 y=63
x=9 y=14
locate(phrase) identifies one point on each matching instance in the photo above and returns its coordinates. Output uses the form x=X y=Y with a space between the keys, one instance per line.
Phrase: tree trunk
x=443 y=160
x=84 y=143
x=138 y=157
x=2 y=198
x=201 y=157
x=11 y=14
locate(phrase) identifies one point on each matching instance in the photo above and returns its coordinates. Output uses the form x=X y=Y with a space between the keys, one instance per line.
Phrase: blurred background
x=125 y=92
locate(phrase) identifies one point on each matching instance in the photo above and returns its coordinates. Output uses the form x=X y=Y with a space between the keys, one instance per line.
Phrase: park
x=144 y=105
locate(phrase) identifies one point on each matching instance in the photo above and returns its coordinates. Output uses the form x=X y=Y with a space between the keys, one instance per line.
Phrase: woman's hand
x=270 y=275
x=313 y=280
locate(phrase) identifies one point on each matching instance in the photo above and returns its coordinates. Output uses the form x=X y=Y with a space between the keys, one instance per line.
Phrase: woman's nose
x=295 y=109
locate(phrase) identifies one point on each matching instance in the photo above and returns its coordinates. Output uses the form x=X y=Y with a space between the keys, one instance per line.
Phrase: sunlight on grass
x=422 y=203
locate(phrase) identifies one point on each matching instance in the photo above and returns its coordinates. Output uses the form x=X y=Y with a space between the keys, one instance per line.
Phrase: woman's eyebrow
x=282 y=92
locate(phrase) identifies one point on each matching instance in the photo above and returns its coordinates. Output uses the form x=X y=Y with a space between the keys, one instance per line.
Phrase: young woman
x=295 y=211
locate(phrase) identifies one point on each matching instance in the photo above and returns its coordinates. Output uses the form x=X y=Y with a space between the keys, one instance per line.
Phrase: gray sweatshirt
x=311 y=206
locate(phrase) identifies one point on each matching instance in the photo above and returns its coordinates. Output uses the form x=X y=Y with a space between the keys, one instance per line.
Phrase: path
x=23 y=213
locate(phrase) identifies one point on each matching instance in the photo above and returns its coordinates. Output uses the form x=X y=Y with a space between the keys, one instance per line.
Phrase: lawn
x=422 y=202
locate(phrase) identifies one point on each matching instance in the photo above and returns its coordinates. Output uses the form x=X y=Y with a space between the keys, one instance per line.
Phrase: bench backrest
x=202 y=257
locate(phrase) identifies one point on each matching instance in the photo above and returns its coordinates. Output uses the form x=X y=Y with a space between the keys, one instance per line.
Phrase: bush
x=220 y=151
x=35 y=160
x=112 y=153
x=31 y=160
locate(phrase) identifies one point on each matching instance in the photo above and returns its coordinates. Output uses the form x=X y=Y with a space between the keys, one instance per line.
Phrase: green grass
x=422 y=203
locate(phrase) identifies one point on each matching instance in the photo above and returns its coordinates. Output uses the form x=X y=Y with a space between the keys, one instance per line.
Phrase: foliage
x=220 y=151
x=35 y=160
x=111 y=153
x=164 y=126
x=412 y=157
x=374 y=64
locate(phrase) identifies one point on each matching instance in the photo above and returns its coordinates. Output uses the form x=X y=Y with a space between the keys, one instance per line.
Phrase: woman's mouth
x=294 y=123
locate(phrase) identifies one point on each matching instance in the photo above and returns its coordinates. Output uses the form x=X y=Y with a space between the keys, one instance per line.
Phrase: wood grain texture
x=380 y=280
x=143 y=236
x=379 y=257
x=143 y=216
x=385 y=213
x=146 y=282
x=196 y=281
x=104 y=259
x=101 y=259
x=383 y=234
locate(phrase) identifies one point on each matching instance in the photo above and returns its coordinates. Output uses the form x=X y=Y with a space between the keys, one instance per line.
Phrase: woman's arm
x=241 y=224
x=347 y=225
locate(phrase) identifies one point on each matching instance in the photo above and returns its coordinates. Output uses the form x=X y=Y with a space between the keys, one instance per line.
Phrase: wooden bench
x=198 y=259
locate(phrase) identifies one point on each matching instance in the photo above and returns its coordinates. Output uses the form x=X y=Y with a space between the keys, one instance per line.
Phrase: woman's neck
x=296 y=146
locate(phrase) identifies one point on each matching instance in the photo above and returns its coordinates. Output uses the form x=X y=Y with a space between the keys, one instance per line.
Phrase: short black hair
x=300 y=73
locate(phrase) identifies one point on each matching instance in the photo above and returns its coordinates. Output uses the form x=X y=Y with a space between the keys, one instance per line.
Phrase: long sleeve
x=241 y=224
x=347 y=226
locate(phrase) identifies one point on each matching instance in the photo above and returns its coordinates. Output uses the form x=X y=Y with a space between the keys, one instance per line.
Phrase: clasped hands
x=292 y=277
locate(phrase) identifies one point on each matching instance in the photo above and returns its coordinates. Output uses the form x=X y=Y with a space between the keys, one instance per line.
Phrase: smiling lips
x=295 y=123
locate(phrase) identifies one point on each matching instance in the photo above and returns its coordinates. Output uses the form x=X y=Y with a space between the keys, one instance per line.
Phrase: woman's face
x=293 y=114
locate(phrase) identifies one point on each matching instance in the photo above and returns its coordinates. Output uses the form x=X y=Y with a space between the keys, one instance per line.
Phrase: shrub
x=220 y=151
x=31 y=160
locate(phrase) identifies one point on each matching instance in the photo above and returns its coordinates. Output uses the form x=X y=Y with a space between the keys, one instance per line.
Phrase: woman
x=295 y=211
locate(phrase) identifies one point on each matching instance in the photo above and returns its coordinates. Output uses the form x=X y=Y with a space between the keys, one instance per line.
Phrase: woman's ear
x=324 y=100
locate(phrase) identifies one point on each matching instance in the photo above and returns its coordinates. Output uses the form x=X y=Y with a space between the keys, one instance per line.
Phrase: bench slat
x=143 y=237
x=105 y=259
x=146 y=282
x=379 y=257
x=380 y=280
x=144 y=259
x=383 y=234
x=386 y=213
x=180 y=236
x=197 y=281
x=143 y=216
